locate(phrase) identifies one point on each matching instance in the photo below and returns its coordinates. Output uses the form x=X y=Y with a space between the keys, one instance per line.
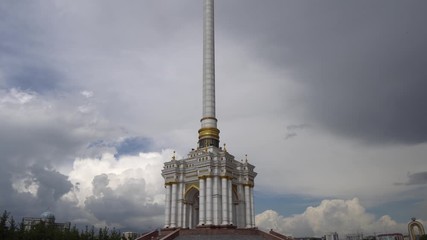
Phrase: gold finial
x=225 y=149
x=173 y=157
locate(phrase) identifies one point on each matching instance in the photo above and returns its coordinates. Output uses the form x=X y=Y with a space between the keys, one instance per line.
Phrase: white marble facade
x=209 y=188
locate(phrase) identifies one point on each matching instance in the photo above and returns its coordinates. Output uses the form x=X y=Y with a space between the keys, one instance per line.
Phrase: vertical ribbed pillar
x=167 y=205
x=202 y=195
x=224 y=190
x=240 y=207
x=209 y=201
x=184 y=215
x=248 y=207
x=190 y=216
x=230 y=201
x=215 y=200
x=180 y=204
x=252 y=206
x=173 y=205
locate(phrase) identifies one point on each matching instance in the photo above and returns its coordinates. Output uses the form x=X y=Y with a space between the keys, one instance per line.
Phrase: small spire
x=225 y=149
x=173 y=157
x=246 y=156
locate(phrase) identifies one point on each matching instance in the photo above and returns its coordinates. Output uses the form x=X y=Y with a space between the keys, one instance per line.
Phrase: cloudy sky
x=327 y=99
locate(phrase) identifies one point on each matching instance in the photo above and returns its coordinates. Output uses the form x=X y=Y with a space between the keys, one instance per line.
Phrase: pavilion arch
x=191 y=205
x=415 y=229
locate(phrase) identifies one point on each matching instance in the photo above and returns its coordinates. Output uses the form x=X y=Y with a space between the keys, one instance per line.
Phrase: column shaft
x=209 y=201
x=184 y=215
x=230 y=201
x=180 y=204
x=252 y=207
x=173 y=205
x=215 y=201
x=202 y=219
x=167 y=205
x=248 y=207
x=224 y=187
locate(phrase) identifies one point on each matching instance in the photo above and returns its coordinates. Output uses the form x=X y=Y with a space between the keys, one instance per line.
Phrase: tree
x=3 y=227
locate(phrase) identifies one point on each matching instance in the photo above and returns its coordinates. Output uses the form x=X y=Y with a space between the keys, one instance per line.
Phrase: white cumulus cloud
x=123 y=192
x=337 y=215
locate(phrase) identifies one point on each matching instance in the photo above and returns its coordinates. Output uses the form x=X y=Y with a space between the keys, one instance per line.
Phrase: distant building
x=390 y=236
x=331 y=236
x=355 y=236
x=130 y=235
x=47 y=218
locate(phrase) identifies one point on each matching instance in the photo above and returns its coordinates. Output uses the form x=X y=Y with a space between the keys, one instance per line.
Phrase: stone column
x=209 y=201
x=190 y=216
x=224 y=190
x=184 y=215
x=248 y=207
x=167 y=205
x=180 y=205
x=202 y=210
x=230 y=201
x=173 y=205
x=240 y=207
x=215 y=200
x=252 y=206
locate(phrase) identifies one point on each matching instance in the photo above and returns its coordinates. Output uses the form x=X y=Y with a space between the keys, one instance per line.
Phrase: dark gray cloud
x=361 y=63
x=293 y=129
x=51 y=184
x=126 y=202
x=125 y=146
x=419 y=178
x=27 y=60
x=134 y=145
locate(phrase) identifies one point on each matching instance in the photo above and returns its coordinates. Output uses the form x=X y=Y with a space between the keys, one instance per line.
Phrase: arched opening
x=191 y=208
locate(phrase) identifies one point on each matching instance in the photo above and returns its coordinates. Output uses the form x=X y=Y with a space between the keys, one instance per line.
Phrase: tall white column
x=167 y=205
x=173 y=205
x=248 y=207
x=224 y=191
x=230 y=201
x=240 y=207
x=180 y=204
x=215 y=200
x=184 y=215
x=252 y=206
x=190 y=216
x=202 y=210
x=208 y=201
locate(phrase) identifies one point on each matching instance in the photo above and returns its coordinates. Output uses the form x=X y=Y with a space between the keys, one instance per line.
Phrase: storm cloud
x=419 y=178
x=362 y=64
